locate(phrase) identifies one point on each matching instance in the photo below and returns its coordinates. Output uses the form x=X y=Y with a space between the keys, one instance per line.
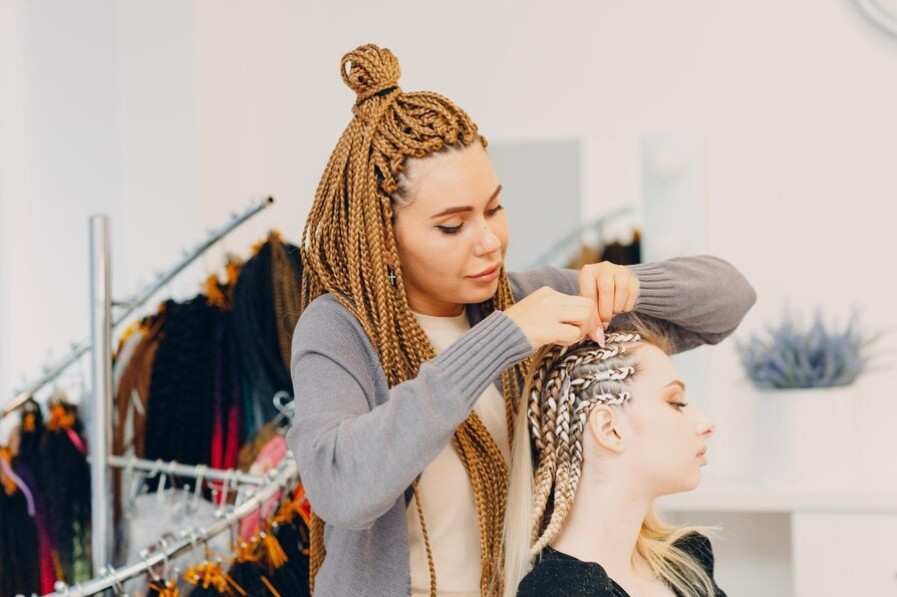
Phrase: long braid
x=348 y=245
x=546 y=415
x=570 y=386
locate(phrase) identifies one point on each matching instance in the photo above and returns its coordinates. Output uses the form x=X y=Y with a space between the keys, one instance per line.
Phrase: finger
x=621 y=291
x=587 y=288
x=568 y=334
x=578 y=311
x=605 y=299
x=597 y=336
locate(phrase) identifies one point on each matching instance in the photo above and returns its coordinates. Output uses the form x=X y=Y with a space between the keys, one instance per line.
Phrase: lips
x=703 y=452
x=485 y=272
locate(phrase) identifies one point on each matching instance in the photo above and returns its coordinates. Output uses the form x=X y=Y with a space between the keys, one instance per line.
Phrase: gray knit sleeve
x=359 y=444
x=695 y=300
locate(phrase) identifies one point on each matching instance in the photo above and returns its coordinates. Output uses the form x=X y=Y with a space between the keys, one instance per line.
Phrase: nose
x=488 y=241
x=707 y=428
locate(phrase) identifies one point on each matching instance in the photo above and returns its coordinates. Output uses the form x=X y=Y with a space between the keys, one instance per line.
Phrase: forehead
x=655 y=370
x=456 y=177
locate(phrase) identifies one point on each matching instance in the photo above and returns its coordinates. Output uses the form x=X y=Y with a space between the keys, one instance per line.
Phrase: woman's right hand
x=547 y=316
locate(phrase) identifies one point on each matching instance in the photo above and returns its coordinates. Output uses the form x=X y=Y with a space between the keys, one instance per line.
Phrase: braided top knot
x=369 y=70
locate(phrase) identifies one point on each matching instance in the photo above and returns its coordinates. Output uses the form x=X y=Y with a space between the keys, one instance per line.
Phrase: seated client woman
x=609 y=431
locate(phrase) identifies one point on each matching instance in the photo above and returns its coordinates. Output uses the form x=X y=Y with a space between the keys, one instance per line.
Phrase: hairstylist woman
x=410 y=353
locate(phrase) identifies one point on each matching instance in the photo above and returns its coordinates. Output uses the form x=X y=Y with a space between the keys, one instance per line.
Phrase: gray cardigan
x=359 y=444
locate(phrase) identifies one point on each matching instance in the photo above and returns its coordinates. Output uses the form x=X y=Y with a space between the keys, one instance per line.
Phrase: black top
x=557 y=574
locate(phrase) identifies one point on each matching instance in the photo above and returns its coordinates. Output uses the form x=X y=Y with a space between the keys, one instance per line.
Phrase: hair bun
x=369 y=70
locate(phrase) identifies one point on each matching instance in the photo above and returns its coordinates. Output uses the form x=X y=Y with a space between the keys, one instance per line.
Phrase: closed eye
x=457 y=229
x=678 y=405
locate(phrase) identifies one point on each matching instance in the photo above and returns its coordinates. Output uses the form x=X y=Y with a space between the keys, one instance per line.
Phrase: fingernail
x=599 y=337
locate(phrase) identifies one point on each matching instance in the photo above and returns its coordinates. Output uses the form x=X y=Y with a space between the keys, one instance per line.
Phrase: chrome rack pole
x=100 y=420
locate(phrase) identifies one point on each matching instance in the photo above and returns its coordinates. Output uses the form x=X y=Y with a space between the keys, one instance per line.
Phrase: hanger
x=283 y=402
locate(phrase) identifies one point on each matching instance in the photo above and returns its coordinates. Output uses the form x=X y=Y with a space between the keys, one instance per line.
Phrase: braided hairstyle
x=565 y=384
x=349 y=250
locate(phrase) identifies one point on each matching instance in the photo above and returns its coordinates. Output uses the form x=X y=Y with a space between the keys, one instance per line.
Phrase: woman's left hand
x=614 y=289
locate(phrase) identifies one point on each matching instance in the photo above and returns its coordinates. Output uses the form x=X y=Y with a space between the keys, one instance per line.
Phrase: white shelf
x=760 y=498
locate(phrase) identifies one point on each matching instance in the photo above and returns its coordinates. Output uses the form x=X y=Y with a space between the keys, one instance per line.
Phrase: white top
x=446 y=493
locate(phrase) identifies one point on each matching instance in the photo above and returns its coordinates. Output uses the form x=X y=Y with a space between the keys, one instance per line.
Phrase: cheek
x=500 y=229
x=666 y=451
x=426 y=253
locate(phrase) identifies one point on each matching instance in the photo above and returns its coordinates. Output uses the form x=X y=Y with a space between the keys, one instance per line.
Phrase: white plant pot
x=808 y=438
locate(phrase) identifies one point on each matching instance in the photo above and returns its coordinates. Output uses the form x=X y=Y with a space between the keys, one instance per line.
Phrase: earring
x=391 y=276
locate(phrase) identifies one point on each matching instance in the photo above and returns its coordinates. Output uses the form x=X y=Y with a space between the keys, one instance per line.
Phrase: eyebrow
x=676 y=382
x=464 y=208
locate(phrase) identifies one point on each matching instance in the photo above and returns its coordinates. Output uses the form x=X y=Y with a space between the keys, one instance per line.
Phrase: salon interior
x=147 y=147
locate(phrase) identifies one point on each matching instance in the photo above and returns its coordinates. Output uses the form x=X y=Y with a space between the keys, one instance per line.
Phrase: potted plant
x=809 y=432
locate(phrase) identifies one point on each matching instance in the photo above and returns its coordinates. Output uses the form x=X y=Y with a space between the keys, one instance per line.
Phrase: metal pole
x=100 y=420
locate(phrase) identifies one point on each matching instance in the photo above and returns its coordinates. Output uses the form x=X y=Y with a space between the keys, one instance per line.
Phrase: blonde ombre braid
x=565 y=384
x=348 y=245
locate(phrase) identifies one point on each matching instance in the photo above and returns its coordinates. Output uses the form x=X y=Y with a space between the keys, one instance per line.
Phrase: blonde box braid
x=572 y=383
x=349 y=249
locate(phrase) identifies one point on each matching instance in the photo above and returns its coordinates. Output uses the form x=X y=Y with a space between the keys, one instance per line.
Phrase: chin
x=687 y=482
x=481 y=294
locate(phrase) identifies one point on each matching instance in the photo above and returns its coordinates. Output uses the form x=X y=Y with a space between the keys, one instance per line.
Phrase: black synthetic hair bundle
x=64 y=479
x=19 y=558
x=296 y=549
x=266 y=308
x=179 y=413
x=31 y=432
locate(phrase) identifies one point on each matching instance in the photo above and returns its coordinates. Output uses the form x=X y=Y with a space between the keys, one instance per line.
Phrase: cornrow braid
x=348 y=249
x=565 y=387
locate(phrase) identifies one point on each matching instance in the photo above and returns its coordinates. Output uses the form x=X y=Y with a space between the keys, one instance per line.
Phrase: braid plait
x=567 y=383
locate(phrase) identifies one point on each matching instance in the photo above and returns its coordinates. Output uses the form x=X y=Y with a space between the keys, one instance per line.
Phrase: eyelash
x=679 y=405
x=457 y=229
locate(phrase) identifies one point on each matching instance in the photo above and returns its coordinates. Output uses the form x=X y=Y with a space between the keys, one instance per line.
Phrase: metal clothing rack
x=176 y=469
x=128 y=306
x=281 y=480
x=99 y=419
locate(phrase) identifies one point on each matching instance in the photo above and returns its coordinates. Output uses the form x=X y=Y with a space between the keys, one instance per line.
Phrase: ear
x=605 y=429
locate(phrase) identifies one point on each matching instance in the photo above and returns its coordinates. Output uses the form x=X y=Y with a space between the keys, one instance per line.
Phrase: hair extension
x=131 y=399
x=179 y=415
x=565 y=384
x=19 y=555
x=265 y=312
x=44 y=560
x=295 y=546
x=64 y=481
x=348 y=245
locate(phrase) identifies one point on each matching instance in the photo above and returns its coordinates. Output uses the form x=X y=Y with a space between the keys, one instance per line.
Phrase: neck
x=605 y=523
x=434 y=308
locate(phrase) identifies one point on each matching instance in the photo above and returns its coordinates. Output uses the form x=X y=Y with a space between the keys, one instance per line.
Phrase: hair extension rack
x=128 y=306
x=281 y=479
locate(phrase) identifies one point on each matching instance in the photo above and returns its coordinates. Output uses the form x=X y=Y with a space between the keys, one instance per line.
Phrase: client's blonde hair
x=561 y=390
